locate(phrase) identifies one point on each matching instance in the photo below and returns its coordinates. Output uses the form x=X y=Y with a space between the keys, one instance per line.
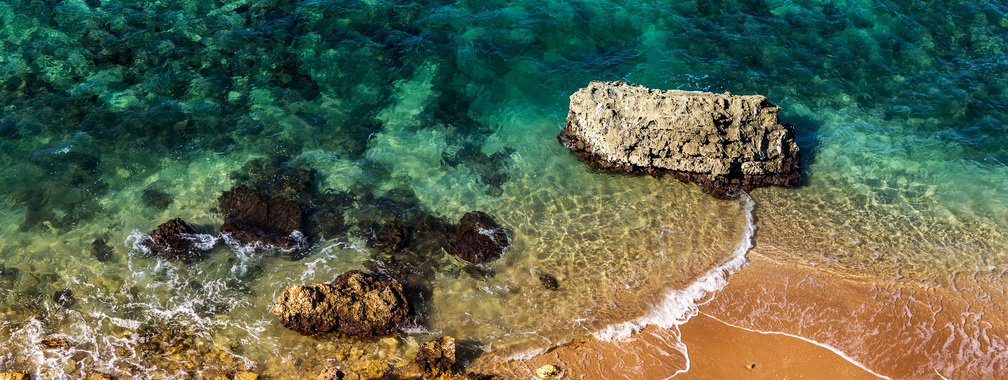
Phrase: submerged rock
x=173 y=240
x=549 y=282
x=437 y=357
x=65 y=298
x=15 y=376
x=156 y=199
x=392 y=236
x=102 y=250
x=250 y=217
x=478 y=238
x=722 y=142
x=354 y=304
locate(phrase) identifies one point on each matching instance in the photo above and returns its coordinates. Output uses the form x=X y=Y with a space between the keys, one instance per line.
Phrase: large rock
x=355 y=304
x=478 y=238
x=437 y=357
x=722 y=142
x=251 y=217
x=175 y=240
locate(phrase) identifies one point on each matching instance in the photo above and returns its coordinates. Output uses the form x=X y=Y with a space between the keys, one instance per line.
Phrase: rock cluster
x=354 y=304
x=722 y=142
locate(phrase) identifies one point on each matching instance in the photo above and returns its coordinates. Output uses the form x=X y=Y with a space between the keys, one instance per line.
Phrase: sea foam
x=679 y=306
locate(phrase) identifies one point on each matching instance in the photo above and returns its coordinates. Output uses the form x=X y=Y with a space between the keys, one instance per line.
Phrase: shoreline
x=780 y=317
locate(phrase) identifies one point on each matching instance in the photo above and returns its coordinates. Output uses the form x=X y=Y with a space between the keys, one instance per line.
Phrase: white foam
x=681 y=305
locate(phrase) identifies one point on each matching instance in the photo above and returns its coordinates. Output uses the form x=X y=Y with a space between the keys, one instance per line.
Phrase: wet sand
x=896 y=329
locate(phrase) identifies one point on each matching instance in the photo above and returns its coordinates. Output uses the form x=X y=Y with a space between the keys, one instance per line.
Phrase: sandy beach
x=777 y=321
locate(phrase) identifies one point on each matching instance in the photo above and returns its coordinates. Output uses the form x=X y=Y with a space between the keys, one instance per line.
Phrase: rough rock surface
x=251 y=217
x=437 y=357
x=355 y=304
x=478 y=238
x=723 y=142
x=171 y=240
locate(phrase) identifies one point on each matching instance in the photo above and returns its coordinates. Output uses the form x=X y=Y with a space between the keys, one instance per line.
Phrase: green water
x=900 y=109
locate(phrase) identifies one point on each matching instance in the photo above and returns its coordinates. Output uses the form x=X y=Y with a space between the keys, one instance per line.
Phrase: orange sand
x=897 y=329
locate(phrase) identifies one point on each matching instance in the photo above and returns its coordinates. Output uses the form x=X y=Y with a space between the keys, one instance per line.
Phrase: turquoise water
x=119 y=115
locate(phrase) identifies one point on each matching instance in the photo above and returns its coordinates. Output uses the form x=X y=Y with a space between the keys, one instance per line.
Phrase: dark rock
x=479 y=272
x=101 y=250
x=392 y=236
x=251 y=217
x=64 y=298
x=478 y=238
x=354 y=304
x=549 y=282
x=157 y=199
x=722 y=142
x=173 y=240
x=437 y=357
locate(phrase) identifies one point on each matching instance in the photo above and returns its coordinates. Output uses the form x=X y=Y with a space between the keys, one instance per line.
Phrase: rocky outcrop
x=478 y=238
x=174 y=240
x=251 y=217
x=437 y=357
x=722 y=142
x=354 y=304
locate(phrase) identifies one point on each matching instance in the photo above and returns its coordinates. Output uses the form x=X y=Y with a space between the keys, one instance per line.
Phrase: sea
x=118 y=115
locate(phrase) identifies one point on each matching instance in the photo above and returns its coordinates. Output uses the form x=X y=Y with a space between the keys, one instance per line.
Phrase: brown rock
x=251 y=217
x=333 y=373
x=15 y=376
x=549 y=282
x=173 y=240
x=478 y=238
x=98 y=376
x=355 y=304
x=722 y=142
x=392 y=236
x=246 y=375
x=437 y=357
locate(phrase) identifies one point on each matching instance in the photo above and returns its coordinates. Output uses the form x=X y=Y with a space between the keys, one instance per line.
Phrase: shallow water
x=119 y=115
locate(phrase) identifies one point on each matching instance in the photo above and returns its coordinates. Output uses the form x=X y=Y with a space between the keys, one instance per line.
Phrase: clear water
x=900 y=108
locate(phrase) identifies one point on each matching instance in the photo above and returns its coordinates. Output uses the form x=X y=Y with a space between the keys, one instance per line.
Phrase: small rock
x=246 y=375
x=332 y=373
x=478 y=238
x=172 y=239
x=98 y=376
x=54 y=343
x=548 y=371
x=15 y=376
x=64 y=298
x=102 y=250
x=549 y=282
x=437 y=357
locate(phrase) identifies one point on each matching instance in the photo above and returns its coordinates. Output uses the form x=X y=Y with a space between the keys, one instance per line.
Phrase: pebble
x=548 y=371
